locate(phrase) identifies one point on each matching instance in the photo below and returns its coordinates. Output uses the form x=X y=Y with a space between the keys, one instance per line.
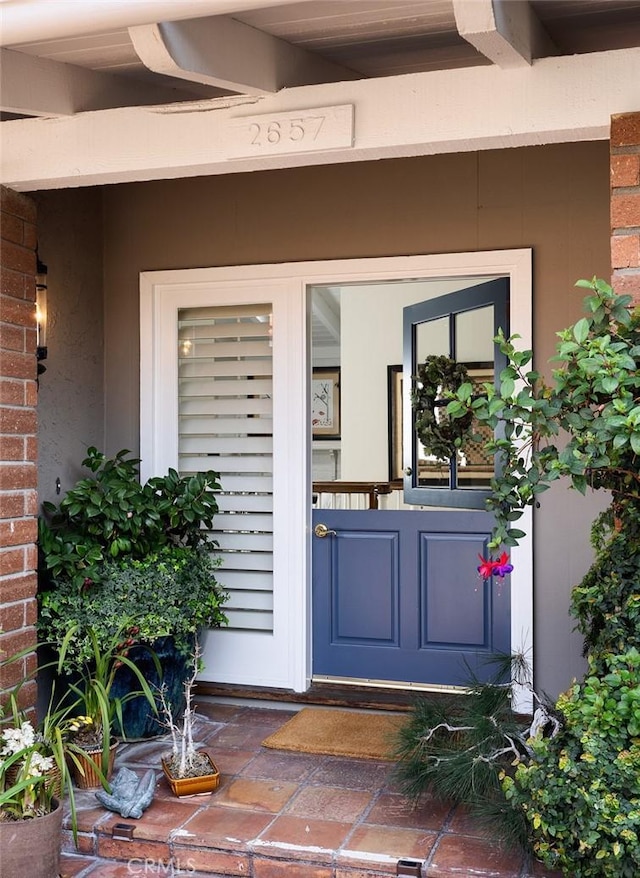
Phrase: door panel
x=443 y=622
x=350 y=554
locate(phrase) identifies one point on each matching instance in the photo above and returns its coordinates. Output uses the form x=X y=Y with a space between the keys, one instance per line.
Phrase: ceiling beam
x=507 y=32
x=27 y=21
x=34 y=86
x=225 y=53
x=557 y=100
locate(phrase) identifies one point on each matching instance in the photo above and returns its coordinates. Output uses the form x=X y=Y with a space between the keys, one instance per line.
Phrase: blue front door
x=396 y=597
x=396 y=594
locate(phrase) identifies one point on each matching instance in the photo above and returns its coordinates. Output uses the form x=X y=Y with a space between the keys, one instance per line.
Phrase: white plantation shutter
x=225 y=423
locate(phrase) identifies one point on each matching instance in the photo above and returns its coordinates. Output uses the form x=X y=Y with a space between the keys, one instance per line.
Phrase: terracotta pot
x=91 y=760
x=32 y=847
x=190 y=786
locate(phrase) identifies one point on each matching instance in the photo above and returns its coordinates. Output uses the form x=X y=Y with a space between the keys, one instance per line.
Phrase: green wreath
x=440 y=434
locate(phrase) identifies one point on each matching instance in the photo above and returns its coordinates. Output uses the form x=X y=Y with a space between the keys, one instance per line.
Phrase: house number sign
x=310 y=130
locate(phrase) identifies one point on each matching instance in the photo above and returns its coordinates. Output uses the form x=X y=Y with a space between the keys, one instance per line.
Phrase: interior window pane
x=433 y=338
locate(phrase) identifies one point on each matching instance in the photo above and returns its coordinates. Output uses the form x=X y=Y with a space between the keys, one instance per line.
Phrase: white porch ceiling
x=63 y=57
x=107 y=91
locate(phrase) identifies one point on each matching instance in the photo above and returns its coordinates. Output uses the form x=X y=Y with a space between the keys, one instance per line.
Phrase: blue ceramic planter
x=139 y=721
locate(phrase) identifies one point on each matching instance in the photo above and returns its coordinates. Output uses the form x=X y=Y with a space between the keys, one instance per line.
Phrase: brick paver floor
x=280 y=815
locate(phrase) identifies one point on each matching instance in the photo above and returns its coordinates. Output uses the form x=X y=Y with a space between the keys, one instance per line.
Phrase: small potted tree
x=188 y=770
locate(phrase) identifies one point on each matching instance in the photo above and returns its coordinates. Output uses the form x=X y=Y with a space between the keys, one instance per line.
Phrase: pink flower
x=502 y=566
x=489 y=567
x=486 y=567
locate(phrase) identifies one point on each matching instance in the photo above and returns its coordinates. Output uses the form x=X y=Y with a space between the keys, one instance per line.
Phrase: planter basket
x=91 y=761
x=191 y=786
x=53 y=781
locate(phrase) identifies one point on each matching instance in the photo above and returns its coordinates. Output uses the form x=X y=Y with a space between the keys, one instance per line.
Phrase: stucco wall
x=71 y=396
x=554 y=199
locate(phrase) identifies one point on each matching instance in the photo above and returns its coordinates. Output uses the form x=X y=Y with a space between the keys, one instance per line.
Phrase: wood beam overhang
x=35 y=86
x=28 y=21
x=508 y=33
x=564 y=99
x=230 y=55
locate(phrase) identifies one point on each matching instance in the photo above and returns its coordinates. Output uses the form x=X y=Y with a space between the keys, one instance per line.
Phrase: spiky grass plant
x=459 y=749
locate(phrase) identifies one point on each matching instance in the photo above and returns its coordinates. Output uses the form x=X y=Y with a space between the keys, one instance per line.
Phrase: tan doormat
x=361 y=735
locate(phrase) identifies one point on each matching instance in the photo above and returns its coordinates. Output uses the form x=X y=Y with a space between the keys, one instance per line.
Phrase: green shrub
x=607 y=603
x=172 y=592
x=111 y=515
x=580 y=791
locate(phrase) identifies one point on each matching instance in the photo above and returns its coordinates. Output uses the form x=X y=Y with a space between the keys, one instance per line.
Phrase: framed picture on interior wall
x=394 y=403
x=325 y=403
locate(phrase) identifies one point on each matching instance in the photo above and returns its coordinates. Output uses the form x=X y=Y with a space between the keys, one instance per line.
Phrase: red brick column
x=18 y=443
x=625 y=204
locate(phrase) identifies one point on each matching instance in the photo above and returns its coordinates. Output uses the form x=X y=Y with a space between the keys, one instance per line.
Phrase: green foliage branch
x=571 y=793
x=580 y=792
x=606 y=603
x=585 y=425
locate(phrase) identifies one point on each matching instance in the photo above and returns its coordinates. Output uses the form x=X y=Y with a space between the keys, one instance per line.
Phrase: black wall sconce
x=41 y=316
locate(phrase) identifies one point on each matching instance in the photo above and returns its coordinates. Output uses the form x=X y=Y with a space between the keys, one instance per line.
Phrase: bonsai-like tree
x=185 y=760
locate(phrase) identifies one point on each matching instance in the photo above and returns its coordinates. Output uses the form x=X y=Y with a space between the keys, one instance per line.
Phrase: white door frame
x=288 y=664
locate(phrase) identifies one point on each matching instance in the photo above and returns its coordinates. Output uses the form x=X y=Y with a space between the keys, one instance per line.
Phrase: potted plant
x=187 y=769
x=132 y=560
x=30 y=815
x=95 y=709
x=34 y=776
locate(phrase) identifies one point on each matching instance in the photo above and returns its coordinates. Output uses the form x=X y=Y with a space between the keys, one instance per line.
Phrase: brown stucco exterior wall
x=554 y=199
x=71 y=399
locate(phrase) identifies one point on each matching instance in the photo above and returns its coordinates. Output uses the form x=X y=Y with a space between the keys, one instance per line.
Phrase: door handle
x=322 y=531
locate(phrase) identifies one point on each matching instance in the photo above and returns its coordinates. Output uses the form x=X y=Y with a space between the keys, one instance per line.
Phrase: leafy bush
x=607 y=603
x=577 y=785
x=119 y=556
x=592 y=404
x=111 y=515
x=170 y=592
x=580 y=791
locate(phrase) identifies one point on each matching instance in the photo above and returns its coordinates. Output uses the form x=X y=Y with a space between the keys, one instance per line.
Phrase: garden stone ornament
x=130 y=795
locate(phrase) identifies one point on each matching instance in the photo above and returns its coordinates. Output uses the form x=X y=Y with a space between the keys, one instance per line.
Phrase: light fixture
x=41 y=316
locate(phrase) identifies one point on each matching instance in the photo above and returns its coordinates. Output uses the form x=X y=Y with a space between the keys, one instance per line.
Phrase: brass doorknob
x=322 y=531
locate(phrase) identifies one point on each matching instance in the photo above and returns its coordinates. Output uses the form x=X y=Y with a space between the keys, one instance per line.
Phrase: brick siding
x=18 y=440
x=625 y=204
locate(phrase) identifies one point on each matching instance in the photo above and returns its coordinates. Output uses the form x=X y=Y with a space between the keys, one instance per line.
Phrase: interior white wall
x=371 y=340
